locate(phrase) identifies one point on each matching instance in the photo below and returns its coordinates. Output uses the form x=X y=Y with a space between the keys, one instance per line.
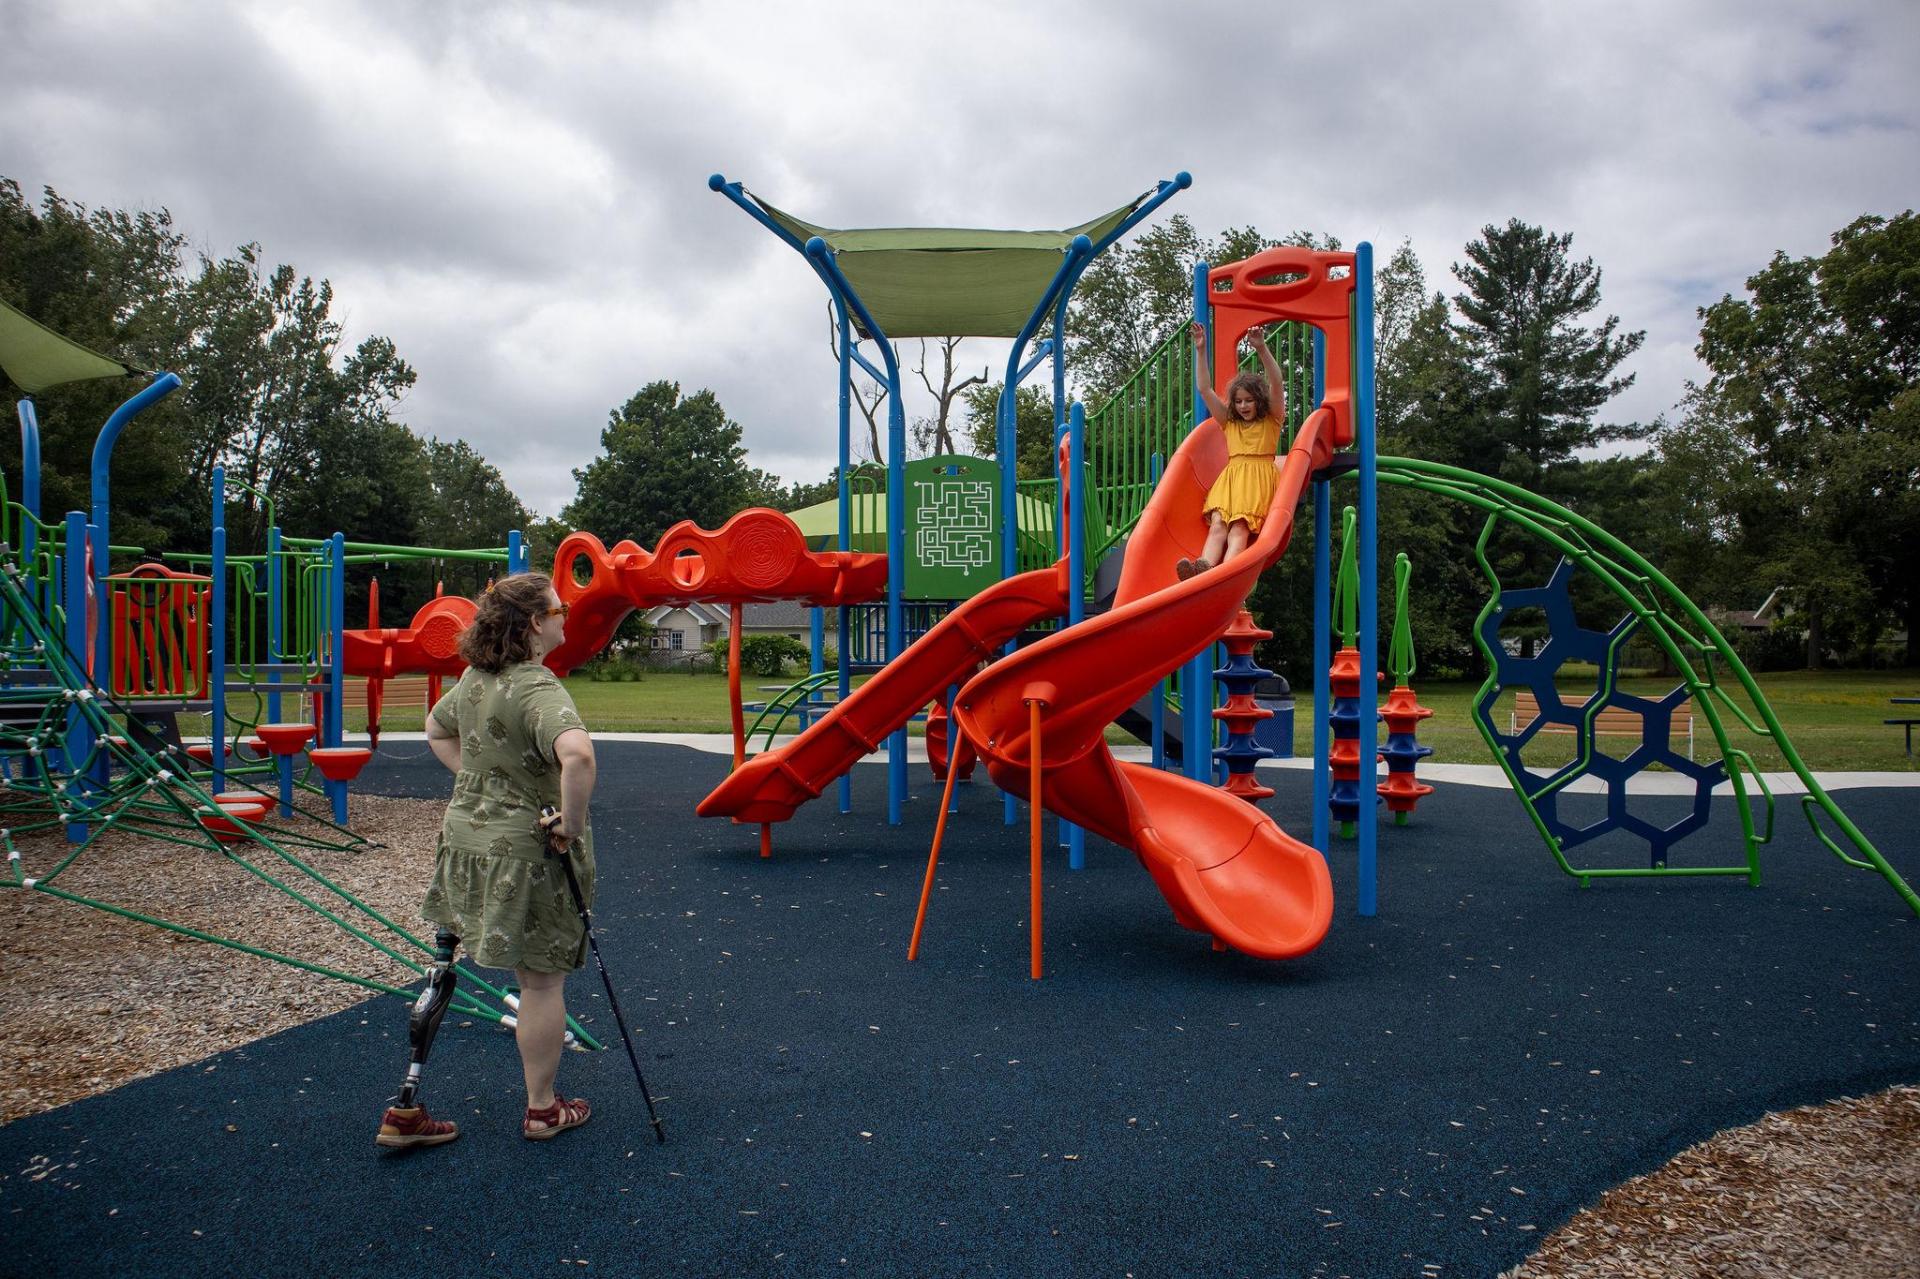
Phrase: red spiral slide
x=1222 y=864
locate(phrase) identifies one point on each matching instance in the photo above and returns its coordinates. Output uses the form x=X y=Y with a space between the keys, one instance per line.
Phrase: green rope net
x=74 y=761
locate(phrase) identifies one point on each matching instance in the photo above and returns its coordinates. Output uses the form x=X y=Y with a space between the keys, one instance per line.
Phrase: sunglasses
x=562 y=611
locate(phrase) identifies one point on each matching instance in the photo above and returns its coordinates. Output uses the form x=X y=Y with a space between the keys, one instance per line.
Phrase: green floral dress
x=492 y=881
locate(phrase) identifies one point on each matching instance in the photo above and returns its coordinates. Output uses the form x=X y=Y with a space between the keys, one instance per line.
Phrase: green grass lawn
x=1832 y=717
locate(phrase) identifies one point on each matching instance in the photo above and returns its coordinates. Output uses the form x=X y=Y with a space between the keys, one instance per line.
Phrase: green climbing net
x=75 y=762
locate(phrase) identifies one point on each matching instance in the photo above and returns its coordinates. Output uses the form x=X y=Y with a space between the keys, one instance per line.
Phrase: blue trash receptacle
x=1276 y=733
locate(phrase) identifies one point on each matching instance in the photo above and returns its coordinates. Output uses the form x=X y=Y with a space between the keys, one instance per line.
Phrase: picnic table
x=1905 y=723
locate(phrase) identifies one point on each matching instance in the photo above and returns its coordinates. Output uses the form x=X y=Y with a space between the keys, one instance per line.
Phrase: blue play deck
x=1443 y=1084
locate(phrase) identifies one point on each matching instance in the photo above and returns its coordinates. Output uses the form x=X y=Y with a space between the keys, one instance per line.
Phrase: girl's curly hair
x=502 y=629
x=1256 y=386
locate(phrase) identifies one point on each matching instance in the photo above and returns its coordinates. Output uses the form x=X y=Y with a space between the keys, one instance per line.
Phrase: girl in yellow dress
x=1250 y=416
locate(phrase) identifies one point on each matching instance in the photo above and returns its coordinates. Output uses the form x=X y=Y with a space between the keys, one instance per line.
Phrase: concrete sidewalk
x=1457 y=774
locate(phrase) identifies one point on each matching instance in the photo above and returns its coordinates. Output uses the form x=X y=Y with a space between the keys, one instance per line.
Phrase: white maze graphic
x=954 y=524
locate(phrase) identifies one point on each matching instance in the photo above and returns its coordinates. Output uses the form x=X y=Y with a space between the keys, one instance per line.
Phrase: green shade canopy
x=941 y=282
x=37 y=358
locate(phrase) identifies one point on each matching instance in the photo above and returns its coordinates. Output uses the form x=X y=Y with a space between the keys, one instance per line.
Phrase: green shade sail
x=941 y=282
x=37 y=358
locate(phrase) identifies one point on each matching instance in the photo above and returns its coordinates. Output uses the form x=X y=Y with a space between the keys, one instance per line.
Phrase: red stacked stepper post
x=1402 y=790
x=1240 y=712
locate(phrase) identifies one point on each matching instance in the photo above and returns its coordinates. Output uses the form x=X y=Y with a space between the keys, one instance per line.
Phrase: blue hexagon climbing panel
x=1568 y=641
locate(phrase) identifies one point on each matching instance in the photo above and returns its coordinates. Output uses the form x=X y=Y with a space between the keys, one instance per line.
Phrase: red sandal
x=557 y=1118
x=402 y=1129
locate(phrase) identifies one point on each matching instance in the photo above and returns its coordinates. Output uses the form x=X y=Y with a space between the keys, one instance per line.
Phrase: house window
x=676 y=640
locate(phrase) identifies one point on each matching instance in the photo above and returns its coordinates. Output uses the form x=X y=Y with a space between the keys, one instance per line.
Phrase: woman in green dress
x=510 y=733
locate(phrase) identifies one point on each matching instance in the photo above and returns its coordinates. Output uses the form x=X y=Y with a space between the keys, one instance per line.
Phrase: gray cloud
x=517 y=196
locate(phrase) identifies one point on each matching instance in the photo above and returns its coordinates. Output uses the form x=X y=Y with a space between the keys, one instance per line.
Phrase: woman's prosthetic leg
x=423 y=1023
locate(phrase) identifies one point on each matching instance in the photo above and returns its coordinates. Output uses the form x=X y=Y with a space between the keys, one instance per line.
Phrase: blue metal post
x=1322 y=626
x=516 y=552
x=896 y=573
x=1075 y=484
x=79 y=736
x=29 y=482
x=276 y=621
x=217 y=633
x=336 y=669
x=1196 y=677
x=1369 y=585
x=1006 y=450
x=152 y=394
x=816 y=660
x=845 y=683
x=1157 y=709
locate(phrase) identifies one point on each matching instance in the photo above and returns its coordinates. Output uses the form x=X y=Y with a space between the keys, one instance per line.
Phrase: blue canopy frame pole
x=29 y=482
x=1080 y=252
x=821 y=255
x=155 y=391
x=1007 y=433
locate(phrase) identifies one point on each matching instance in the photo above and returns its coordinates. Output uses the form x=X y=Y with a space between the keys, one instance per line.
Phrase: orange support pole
x=122 y=683
x=375 y=686
x=198 y=663
x=733 y=687
x=182 y=638
x=153 y=665
x=1033 y=852
x=933 y=862
x=433 y=681
x=766 y=839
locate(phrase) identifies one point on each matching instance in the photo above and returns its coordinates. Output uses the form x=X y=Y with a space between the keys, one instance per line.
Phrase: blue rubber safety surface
x=1430 y=1092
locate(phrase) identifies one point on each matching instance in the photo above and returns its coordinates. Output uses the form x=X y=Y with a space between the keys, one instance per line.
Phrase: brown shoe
x=555 y=1119
x=403 y=1129
x=1185 y=569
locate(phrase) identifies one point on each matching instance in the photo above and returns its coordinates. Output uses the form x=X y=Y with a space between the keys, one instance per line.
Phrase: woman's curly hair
x=1256 y=386
x=502 y=629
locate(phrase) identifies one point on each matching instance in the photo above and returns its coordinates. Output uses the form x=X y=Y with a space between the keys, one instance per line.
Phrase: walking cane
x=548 y=816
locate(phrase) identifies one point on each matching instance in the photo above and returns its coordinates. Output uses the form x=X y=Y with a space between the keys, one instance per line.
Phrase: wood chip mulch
x=90 y=1001
x=1830 y=1191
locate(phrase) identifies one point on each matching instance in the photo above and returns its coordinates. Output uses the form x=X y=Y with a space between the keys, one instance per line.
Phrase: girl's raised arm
x=1276 y=382
x=1203 y=377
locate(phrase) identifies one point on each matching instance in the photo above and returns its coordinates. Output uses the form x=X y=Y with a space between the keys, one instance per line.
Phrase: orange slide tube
x=1225 y=867
x=771 y=785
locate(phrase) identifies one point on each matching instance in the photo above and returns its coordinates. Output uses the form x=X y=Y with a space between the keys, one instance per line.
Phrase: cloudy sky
x=516 y=192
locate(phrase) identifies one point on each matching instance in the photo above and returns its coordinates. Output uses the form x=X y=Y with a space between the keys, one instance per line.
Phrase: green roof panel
x=949 y=281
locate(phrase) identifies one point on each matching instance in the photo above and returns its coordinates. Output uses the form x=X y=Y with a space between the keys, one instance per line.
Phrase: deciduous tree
x=664 y=458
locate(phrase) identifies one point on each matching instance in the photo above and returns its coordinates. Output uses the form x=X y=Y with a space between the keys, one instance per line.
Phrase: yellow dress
x=1245 y=488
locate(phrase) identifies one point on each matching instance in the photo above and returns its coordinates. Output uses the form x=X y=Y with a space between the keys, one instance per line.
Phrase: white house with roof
x=690 y=628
